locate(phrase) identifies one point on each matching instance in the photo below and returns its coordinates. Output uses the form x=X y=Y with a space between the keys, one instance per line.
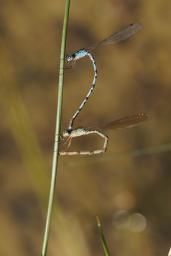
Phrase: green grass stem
x=102 y=237
x=57 y=132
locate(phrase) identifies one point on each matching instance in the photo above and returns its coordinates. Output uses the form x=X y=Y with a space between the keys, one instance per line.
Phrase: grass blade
x=57 y=132
x=102 y=237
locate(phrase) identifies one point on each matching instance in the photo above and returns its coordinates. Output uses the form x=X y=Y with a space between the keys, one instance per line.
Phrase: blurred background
x=129 y=186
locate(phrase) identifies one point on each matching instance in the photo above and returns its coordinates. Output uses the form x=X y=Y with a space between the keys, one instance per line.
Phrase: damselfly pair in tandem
x=125 y=122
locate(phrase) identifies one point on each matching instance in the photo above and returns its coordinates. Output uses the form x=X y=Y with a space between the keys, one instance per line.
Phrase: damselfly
x=118 y=37
x=125 y=122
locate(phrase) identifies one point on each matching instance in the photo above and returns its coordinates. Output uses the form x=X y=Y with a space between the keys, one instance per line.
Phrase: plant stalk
x=102 y=237
x=57 y=132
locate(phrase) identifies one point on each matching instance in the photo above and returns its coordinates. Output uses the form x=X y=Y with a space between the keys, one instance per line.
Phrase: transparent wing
x=127 y=122
x=118 y=36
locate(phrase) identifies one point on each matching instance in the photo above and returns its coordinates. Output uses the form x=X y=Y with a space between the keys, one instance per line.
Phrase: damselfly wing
x=118 y=37
x=128 y=121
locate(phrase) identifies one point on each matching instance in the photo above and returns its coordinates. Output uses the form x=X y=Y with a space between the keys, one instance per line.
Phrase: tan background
x=134 y=76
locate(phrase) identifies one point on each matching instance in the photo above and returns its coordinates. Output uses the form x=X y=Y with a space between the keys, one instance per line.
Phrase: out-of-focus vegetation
x=129 y=191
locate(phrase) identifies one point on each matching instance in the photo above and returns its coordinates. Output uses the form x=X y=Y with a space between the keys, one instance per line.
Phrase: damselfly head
x=66 y=133
x=69 y=61
x=69 y=58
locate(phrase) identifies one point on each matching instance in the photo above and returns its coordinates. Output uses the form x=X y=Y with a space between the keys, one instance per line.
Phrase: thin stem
x=102 y=237
x=57 y=131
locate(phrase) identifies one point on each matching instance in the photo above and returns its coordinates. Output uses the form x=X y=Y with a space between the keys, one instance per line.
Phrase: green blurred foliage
x=134 y=76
